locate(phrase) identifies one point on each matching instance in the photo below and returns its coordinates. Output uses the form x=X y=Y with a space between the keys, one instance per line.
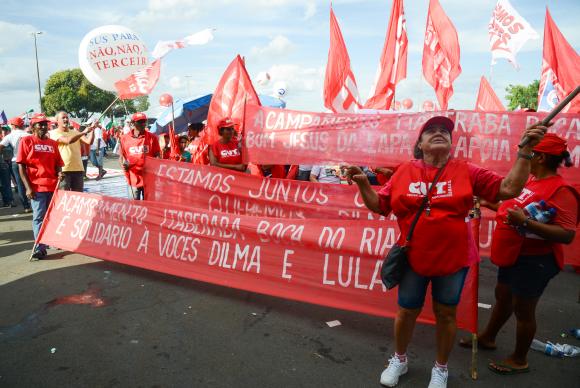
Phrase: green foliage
x=70 y=91
x=523 y=96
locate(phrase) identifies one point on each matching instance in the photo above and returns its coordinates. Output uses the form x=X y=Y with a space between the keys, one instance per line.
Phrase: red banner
x=325 y=262
x=216 y=189
x=486 y=139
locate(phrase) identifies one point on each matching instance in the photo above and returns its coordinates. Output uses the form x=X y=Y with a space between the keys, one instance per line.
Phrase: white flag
x=508 y=32
x=199 y=38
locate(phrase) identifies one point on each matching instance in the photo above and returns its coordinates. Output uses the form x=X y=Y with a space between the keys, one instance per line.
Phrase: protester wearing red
x=226 y=152
x=530 y=253
x=39 y=165
x=135 y=146
x=441 y=248
x=198 y=149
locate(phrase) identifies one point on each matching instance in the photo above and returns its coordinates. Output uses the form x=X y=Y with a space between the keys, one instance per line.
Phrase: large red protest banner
x=216 y=189
x=326 y=262
x=486 y=139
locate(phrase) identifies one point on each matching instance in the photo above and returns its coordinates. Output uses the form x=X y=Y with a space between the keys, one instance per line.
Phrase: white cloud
x=310 y=10
x=14 y=35
x=278 y=47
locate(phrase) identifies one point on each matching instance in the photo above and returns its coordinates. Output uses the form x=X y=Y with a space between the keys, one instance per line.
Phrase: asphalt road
x=145 y=329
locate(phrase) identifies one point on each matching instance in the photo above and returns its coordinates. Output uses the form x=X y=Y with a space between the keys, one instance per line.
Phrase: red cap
x=38 y=118
x=226 y=123
x=551 y=144
x=138 y=116
x=16 y=121
x=445 y=122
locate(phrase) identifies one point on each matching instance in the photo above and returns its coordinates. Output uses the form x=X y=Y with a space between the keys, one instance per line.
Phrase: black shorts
x=530 y=275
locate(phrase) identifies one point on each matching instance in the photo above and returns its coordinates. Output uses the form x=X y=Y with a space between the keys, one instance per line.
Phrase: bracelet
x=525 y=156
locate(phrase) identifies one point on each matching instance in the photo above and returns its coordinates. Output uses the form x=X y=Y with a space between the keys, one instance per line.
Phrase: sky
x=287 y=38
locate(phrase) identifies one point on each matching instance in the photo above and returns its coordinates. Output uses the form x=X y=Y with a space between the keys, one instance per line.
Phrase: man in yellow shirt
x=70 y=150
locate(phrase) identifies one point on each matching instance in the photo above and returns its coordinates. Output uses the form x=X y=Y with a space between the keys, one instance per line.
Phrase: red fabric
x=340 y=90
x=326 y=262
x=140 y=83
x=560 y=64
x=393 y=65
x=485 y=183
x=199 y=151
x=228 y=153
x=292 y=172
x=507 y=244
x=233 y=93
x=41 y=158
x=431 y=252
x=134 y=150
x=483 y=138
x=487 y=100
x=440 y=53
x=552 y=144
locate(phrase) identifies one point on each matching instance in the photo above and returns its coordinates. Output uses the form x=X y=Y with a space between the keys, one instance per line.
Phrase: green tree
x=70 y=91
x=523 y=96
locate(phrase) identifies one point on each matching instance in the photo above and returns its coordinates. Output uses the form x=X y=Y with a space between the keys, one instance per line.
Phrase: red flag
x=487 y=100
x=560 y=68
x=139 y=83
x=440 y=53
x=340 y=90
x=393 y=65
x=234 y=90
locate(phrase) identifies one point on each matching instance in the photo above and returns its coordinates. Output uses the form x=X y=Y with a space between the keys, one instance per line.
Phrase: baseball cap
x=226 y=123
x=445 y=122
x=17 y=121
x=39 y=118
x=138 y=116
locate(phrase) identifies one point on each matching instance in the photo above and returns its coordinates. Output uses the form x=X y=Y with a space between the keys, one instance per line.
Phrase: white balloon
x=263 y=78
x=111 y=53
x=280 y=89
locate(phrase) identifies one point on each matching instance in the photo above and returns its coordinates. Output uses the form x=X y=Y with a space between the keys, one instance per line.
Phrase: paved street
x=145 y=329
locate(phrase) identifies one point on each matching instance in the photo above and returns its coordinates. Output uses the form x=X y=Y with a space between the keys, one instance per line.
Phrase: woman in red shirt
x=226 y=152
x=530 y=253
x=441 y=248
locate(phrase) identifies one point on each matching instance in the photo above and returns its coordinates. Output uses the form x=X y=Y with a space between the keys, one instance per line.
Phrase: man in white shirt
x=98 y=151
x=12 y=140
x=325 y=174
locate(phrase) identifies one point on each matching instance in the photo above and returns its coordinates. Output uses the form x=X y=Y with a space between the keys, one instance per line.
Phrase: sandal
x=504 y=369
x=467 y=343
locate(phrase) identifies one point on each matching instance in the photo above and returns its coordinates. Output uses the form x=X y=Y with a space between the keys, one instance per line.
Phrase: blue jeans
x=97 y=161
x=6 y=183
x=39 y=207
x=445 y=289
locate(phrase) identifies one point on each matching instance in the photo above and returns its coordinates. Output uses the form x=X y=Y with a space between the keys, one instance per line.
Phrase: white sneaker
x=438 y=378
x=396 y=368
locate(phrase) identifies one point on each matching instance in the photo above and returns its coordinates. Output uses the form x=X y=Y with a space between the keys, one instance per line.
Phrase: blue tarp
x=195 y=110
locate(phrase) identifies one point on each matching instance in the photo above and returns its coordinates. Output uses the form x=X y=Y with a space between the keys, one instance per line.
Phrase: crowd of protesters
x=528 y=252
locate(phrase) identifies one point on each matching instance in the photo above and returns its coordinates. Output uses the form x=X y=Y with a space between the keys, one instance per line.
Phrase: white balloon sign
x=111 y=53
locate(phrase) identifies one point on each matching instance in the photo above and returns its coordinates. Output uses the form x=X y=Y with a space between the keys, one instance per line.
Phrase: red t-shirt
x=134 y=149
x=41 y=158
x=485 y=184
x=228 y=153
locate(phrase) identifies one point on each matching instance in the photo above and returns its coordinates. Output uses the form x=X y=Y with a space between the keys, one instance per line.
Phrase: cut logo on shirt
x=43 y=148
x=137 y=150
x=442 y=189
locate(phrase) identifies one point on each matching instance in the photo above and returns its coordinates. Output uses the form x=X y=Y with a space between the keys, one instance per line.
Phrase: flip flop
x=466 y=343
x=506 y=369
